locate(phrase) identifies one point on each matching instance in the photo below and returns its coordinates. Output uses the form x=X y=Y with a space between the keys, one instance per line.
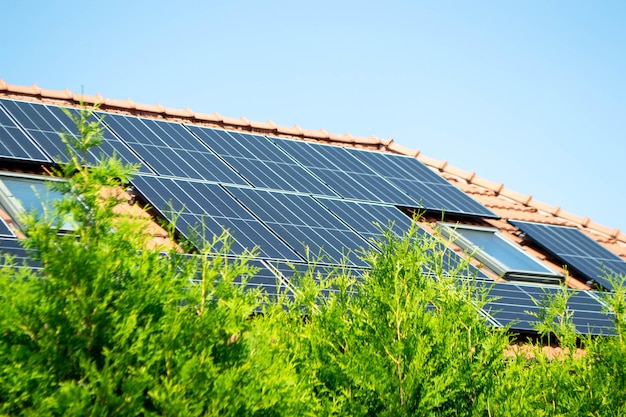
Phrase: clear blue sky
x=531 y=94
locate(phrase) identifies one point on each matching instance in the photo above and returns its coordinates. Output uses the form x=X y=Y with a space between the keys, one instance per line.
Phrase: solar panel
x=5 y=231
x=260 y=162
x=170 y=150
x=15 y=144
x=262 y=278
x=509 y=305
x=301 y=221
x=588 y=316
x=294 y=273
x=44 y=123
x=512 y=304
x=575 y=249
x=20 y=257
x=421 y=183
x=197 y=204
x=347 y=176
x=368 y=218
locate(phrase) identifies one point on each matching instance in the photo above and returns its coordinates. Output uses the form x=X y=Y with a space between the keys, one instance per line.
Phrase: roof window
x=503 y=257
x=20 y=194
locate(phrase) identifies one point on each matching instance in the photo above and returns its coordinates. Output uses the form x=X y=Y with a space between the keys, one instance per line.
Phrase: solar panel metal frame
x=5 y=230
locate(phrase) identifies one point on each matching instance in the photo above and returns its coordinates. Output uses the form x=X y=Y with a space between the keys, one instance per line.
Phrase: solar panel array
x=43 y=123
x=514 y=305
x=288 y=200
x=576 y=250
x=420 y=183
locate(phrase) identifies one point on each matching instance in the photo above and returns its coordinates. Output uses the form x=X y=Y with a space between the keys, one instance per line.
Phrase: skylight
x=499 y=254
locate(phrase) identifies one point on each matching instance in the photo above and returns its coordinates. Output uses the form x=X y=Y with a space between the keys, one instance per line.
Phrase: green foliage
x=110 y=327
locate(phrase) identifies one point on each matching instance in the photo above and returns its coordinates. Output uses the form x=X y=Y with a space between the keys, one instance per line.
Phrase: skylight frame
x=542 y=275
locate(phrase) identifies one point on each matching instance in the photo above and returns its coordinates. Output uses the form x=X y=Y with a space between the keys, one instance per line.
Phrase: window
x=499 y=254
x=23 y=193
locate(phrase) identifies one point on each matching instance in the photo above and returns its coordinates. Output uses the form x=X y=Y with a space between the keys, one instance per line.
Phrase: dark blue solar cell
x=308 y=227
x=370 y=219
x=44 y=124
x=346 y=175
x=260 y=161
x=578 y=251
x=294 y=273
x=421 y=183
x=208 y=209
x=21 y=258
x=511 y=303
x=170 y=150
x=588 y=315
x=15 y=144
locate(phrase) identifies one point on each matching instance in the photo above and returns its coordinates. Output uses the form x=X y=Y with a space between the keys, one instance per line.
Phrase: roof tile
x=554 y=210
x=269 y=125
x=186 y=113
x=515 y=196
x=31 y=90
x=213 y=117
x=59 y=94
x=603 y=229
x=295 y=130
x=151 y=108
x=461 y=173
x=496 y=187
x=125 y=104
x=402 y=150
x=82 y=98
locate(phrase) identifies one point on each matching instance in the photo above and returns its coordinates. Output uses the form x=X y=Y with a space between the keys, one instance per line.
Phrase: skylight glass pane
x=512 y=258
x=31 y=194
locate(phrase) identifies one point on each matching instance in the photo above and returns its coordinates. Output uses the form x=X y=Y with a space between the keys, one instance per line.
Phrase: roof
x=504 y=202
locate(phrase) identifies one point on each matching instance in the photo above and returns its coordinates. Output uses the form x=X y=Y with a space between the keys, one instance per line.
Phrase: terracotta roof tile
x=150 y=108
x=126 y=104
x=59 y=94
x=295 y=130
x=31 y=90
x=402 y=150
x=269 y=125
x=316 y=134
x=496 y=187
x=515 y=196
x=92 y=100
x=213 y=117
x=185 y=113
